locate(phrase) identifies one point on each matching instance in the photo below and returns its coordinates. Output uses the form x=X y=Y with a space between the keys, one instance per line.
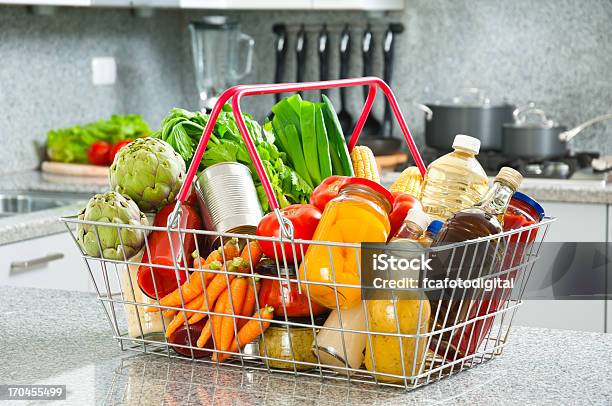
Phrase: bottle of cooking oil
x=471 y=261
x=454 y=181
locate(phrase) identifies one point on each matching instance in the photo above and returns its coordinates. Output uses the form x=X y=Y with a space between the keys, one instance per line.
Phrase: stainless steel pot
x=532 y=135
x=472 y=114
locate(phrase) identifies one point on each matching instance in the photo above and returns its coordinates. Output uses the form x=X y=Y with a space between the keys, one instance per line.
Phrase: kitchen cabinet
x=50 y=262
x=68 y=3
x=576 y=222
x=609 y=273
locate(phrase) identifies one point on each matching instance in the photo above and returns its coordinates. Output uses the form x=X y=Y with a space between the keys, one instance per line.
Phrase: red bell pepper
x=168 y=250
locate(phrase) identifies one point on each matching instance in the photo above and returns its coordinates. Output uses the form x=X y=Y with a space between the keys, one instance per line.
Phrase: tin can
x=228 y=200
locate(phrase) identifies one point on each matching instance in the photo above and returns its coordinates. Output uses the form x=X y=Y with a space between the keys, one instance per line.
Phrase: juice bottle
x=454 y=181
x=470 y=261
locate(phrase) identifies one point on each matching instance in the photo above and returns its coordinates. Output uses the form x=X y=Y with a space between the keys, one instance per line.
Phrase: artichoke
x=111 y=207
x=148 y=171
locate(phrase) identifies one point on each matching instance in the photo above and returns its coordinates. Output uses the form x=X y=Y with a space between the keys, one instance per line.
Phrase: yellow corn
x=364 y=164
x=409 y=181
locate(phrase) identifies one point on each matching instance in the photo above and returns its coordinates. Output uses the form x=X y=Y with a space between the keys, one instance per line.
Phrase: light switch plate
x=104 y=70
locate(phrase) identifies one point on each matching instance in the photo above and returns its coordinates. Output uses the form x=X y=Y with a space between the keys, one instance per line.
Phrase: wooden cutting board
x=386 y=162
x=59 y=168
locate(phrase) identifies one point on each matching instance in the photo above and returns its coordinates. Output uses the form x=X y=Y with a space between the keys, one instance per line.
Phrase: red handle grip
x=237 y=92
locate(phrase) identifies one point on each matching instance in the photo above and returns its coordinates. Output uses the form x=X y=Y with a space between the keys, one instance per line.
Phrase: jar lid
x=377 y=187
x=531 y=202
x=270 y=267
x=418 y=217
x=435 y=226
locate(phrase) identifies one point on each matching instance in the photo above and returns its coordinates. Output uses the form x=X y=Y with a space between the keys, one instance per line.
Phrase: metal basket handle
x=237 y=92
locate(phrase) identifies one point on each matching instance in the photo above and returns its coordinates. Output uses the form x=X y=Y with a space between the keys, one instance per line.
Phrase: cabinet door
x=576 y=222
x=51 y=262
x=609 y=271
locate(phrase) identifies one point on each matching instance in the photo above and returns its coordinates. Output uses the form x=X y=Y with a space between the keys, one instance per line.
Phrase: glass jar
x=359 y=214
x=384 y=353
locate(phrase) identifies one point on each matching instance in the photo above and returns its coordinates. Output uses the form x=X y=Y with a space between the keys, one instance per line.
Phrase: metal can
x=228 y=200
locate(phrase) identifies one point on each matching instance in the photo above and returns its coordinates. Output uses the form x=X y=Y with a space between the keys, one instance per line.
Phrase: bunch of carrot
x=224 y=294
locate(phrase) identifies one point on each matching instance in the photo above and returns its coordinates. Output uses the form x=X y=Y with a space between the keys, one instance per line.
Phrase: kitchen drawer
x=66 y=270
x=576 y=222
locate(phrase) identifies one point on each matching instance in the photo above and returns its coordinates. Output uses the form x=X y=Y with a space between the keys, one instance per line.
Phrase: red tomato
x=296 y=304
x=402 y=203
x=99 y=153
x=327 y=190
x=304 y=217
x=117 y=147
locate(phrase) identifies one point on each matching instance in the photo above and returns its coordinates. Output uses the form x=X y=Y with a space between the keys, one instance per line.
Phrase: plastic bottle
x=454 y=181
x=414 y=225
x=432 y=230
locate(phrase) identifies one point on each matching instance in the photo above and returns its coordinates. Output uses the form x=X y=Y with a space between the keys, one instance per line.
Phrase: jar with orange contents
x=360 y=213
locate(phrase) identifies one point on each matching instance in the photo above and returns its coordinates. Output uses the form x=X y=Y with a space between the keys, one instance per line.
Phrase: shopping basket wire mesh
x=456 y=328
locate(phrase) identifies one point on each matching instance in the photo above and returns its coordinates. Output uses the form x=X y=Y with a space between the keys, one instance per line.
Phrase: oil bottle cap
x=418 y=217
x=510 y=176
x=434 y=227
x=466 y=142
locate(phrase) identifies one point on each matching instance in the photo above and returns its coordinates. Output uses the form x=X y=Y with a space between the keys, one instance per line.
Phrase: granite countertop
x=578 y=190
x=63 y=337
x=38 y=224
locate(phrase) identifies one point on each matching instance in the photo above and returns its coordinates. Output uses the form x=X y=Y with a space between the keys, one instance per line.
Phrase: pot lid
x=529 y=116
x=470 y=97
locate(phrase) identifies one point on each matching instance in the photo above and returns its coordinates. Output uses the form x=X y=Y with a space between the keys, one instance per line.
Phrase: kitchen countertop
x=45 y=222
x=554 y=190
x=41 y=223
x=63 y=337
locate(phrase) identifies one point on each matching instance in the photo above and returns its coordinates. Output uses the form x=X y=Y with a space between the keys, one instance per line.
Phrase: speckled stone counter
x=63 y=338
x=554 y=190
x=44 y=222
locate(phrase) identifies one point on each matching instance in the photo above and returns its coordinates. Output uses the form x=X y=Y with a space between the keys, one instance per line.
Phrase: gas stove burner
x=492 y=161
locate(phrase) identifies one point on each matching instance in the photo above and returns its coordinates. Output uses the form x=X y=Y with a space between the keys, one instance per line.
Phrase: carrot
x=205 y=334
x=251 y=330
x=252 y=253
x=216 y=320
x=249 y=302
x=238 y=291
x=178 y=320
x=169 y=313
x=231 y=249
x=214 y=289
x=189 y=290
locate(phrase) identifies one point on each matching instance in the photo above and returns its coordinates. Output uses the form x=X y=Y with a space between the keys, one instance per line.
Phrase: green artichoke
x=148 y=171
x=111 y=207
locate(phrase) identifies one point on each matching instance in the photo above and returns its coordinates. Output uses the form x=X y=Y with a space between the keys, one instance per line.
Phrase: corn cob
x=364 y=163
x=409 y=181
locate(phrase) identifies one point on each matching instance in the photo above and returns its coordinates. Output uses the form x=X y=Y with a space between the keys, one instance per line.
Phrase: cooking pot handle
x=426 y=110
x=569 y=134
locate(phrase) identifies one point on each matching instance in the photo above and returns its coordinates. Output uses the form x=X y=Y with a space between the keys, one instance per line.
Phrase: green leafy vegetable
x=309 y=140
x=70 y=145
x=183 y=129
x=322 y=144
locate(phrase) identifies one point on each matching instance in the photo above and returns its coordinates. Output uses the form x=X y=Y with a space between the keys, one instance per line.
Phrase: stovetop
x=562 y=167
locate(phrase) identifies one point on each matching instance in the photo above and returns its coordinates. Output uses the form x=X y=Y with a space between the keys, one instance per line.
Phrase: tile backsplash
x=557 y=53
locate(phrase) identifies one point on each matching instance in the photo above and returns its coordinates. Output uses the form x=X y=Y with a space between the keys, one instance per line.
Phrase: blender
x=222 y=56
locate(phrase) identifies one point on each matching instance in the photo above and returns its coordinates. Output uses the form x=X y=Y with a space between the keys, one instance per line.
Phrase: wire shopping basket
x=427 y=334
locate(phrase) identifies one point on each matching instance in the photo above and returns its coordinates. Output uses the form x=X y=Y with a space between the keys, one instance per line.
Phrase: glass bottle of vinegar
x=468 y=262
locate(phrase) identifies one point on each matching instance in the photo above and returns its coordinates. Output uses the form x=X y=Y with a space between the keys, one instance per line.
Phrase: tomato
x=162 y=253
x=327 y=190
x=99 y=153
x=274 y=292
x=304 y=217
x=402 y=203
x=116 y=149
